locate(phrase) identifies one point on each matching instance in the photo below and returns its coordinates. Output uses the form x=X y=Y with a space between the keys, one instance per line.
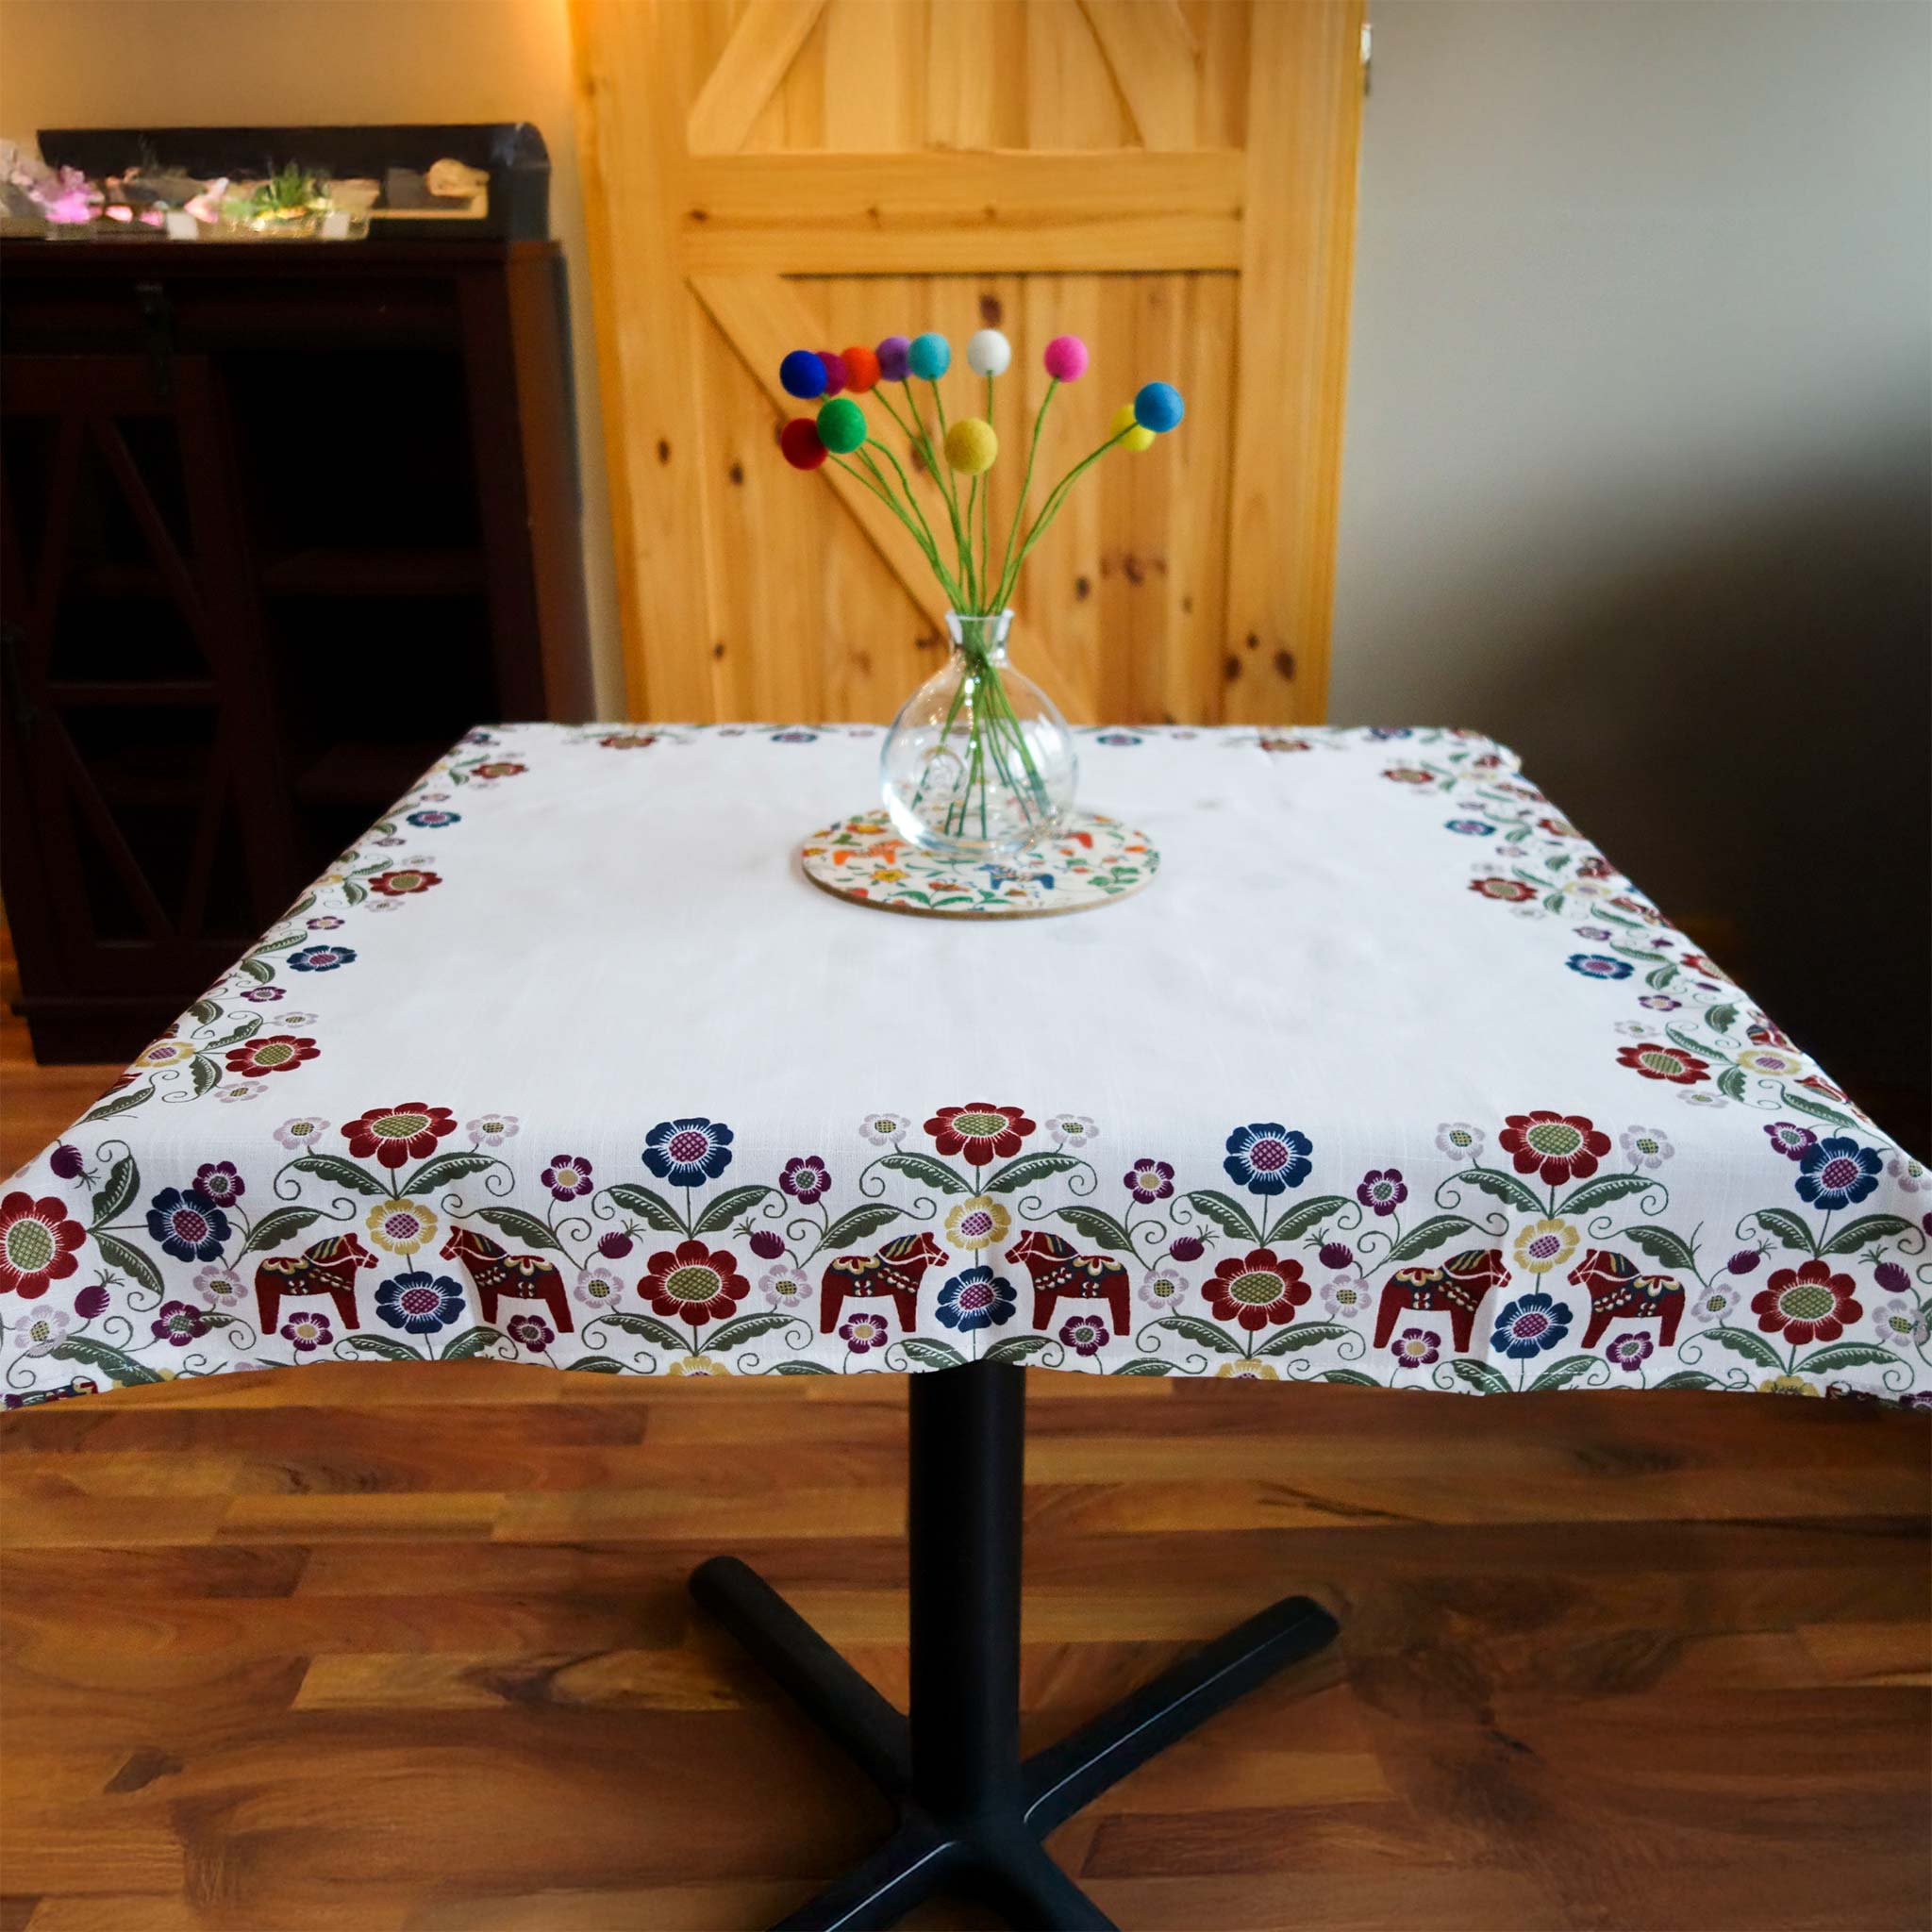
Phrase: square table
x=1388 y=1077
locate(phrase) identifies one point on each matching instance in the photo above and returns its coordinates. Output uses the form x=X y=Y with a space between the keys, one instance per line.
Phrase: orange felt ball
x=861 y=369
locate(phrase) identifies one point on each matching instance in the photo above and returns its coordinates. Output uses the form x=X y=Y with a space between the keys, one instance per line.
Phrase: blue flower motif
x=796 y=735
x=976 y=1298
x=1835 y=1173
x=187 y=1224
x=1118 y=737
x=431 y=820
x=321 y=958
x=1268 y=1158
x=419 y=1303
x=1530 y=1326
x=1015 y=875
x=1471 y=828
x=1391 y=730
x=688 y=1153
x=1598 y=966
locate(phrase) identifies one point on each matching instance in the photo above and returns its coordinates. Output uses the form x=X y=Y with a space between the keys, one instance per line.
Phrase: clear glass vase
x=979 y=761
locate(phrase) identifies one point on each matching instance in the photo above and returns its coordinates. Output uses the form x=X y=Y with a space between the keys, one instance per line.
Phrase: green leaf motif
x=856 y=1222
x=1015 y=1348
x=1230 y=1217
x=522 y=1226
x=652 y=1208
x=442 y=1168
x=1817 y=1108
x=1846 y=1355
x=1868 y=1227
x=1353 y=1377
x=117 y=1191
x=727 y=1207
x=1479 y=1376
x=1730 y=1083
x=204 y=1012
x=341 y=1173
x=1429 y=1234
x=130 y=1260
x=1097 y=1225
x=258 y=970
x=277 y=1226
x=203 y=1074
x=1720 y=1019
x=122 y=1103
x=471 y=1341
x=1560 y=1375
x=1204 y=1334
x=660 y=1334
x=597 y=1365
x=1505 y=1187
x=1687 y=1378
x=801 y=1369
x=386 y=1348
x=1028 y=1168
x=1660 y=977
x=1606 y=1188
x=1745 y=1343
x=1304 y=1214
x=1301 y=1335
x=1141 y=1365
x=1661 y=1244
x=747 y=1329
x=118 y=1367
x=1787 y=1227
x=927 y=1171
x=247 y=1030
x=931 y=1355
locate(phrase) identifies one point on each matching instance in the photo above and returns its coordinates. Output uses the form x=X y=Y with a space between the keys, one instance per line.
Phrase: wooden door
x=1171 y=179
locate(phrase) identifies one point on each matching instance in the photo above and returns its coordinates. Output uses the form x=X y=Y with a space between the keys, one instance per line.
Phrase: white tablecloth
x=1388 y=1077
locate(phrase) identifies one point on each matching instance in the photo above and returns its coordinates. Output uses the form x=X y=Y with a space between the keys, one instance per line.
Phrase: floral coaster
x=1094 y=860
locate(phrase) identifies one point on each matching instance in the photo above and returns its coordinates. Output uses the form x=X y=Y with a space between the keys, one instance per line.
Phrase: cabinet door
x=145 y=843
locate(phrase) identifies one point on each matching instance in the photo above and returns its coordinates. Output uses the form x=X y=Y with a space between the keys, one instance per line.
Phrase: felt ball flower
x=894 y=358
x=972 y=446
x=802 y=374
x=929 y=356
x=841 y=425
x=800 y=445
x=861 y=369
x=835 y=377
x=1159 y=407
x=688 y=1153
x=1065 y=359
x=976 y=1298
x=1135 y=438
x=989 y=353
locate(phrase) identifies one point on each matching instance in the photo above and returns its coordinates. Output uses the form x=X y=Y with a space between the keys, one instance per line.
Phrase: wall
x=110 y=64
x=1637 y=469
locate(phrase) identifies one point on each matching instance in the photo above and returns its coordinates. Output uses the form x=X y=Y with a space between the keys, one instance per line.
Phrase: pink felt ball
x=836 y=374
x=1066 y=359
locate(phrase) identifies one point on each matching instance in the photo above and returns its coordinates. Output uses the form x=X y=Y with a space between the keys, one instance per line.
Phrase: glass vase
x=979 y=763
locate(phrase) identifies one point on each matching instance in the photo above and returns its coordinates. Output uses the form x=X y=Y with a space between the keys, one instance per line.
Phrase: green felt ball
x=841 y=425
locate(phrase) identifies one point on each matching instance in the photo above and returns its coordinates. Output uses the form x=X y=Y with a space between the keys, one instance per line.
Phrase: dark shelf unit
x=277 y=524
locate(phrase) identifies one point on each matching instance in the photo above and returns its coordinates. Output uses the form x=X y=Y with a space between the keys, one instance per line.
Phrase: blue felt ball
x=1159 y=407
x=802 y=374
x=929 y=356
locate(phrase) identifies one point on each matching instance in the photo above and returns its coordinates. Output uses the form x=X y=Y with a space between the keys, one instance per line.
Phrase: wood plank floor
x=391 y=1650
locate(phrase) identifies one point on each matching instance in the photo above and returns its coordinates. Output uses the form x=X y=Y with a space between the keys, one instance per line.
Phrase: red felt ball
x=837 y=375
x=861 y=369
x=799 y=439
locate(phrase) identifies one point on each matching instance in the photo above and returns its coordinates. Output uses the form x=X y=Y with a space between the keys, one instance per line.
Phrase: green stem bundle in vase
x=979 y=762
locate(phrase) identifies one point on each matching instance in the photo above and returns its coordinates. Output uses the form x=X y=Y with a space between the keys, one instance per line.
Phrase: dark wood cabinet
x=277 y=523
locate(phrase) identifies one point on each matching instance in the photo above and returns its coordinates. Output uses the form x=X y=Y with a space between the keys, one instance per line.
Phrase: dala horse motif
x=895 y=1270
x=1619 y=1293
x=1058 y=1268
x=327 y=1268
x=1456 y=1289
x=495 y=1272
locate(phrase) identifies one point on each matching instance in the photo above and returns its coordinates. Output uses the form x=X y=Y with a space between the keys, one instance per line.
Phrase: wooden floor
x=369 y=1647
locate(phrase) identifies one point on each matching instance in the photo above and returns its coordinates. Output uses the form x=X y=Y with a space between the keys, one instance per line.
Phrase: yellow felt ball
x=971 y=445
x=1136 y=437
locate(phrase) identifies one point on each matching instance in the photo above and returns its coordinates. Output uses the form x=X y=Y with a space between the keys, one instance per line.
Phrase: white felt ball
x=989 y=353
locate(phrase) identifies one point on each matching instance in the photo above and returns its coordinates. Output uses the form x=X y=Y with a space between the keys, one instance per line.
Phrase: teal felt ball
x=841 y=425
x=802 y=374
x=1159 y=407
x=929 y=356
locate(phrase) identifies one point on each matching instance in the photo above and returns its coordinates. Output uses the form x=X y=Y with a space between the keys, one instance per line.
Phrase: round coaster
x=1094 y=860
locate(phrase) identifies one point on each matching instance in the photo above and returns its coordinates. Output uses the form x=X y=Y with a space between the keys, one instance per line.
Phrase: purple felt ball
x=834 y=372
x=1066 y=359
x=893 y=363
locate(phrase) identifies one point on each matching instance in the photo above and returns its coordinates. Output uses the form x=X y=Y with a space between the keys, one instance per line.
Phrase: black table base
x=971 y=1812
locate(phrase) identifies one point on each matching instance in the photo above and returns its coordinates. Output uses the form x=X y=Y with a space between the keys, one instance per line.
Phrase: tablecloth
x=1390 y=1077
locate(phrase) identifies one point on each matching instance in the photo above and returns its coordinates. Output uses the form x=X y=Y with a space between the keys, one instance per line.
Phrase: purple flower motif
x=1790 y=1139
x=307 y=1331
x=1597 y=933
x=1659 y=1002
x=863 y=1332
x=766 y=1245
x=1382 y=1189
x=1086 y=1335
x=326 y=923
x=1336 y=1255
x=1892 y=1278
x=219 y=1181
x=178 y=1323
x=1745 y=1260
x=263 y=995
x=1186 y=1247
x=804 y=1179
x=90 y=1302
x=297 y=1134
x=1346 y=1298
x=1631 y=1350
x=66 y=1162
x=1416 y=1348
x=1714 y=1303
x=568 y=1176
x=531 y=1331
x=1149 y=1180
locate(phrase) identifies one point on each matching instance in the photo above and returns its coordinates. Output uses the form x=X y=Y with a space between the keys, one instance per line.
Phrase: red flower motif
x=499 y=768
x=1808 y=1304
x=1512 y=892
x=1670 y=1063
x=1407 y=774
x=397 y=884
x=1701 y=962
x=270 y=1053
x=1820 y=1085
x=398 y=1134
x=693 y=1283
x=37 y=1244
x=1559 y=1147
x=1255 y=1288
x=979 y=1130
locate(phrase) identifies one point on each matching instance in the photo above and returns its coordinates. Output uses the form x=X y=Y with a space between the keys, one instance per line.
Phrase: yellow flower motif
x=978 y=1221
x=887 y=875
x=1545 y=1245
x=1787 y=1385
x=1769 y=1059
x=401 y=1226
x=166 y=1053
x=1248 y=1372
x=697 y=1365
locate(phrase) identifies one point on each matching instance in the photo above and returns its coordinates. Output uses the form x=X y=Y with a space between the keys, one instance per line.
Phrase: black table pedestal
x=972 y=1813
